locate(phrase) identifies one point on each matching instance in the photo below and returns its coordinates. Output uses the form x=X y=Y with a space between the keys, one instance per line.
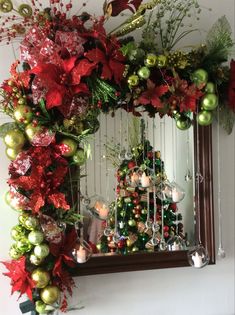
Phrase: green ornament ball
x=150 y=60
x=161 y=61
x=17 y=232
x=31 y=223
x=35 y=260
x=205 y=118
x=14 y=139
x=41 y=251
x=35 y=237
x=31 y=131
x=23 y=245
x=144 y=73
x=183 y=122
x=69 y=147
x=133 y=80
x=23 y=114
x=12 y=153
x=209 y=101
x=40 y=307
x=132 y=222
x=14 y=253
x=200 y=76
x=210 y=87
x=79 y=157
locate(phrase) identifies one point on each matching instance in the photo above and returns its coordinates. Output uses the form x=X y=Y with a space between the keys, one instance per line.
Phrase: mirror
x=184 y=154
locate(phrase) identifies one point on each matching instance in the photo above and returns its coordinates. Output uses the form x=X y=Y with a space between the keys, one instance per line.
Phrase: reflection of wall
x=176 y=148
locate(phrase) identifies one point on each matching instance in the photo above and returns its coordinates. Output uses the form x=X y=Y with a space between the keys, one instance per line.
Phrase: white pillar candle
x=197 y=260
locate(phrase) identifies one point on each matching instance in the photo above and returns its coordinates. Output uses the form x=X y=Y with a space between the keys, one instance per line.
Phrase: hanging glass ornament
x=176 y=243
x=142 y=177
x=82 y=251
x=98 y=208
x=198 y=256
x=177 y=193
x=164 y=191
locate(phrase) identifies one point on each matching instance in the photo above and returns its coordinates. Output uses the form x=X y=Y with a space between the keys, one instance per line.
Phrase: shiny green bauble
x=132 y=222
x=40 y=307
x=23 y=245
x=144 y=73
x=210 y=87
x=205 y=118
x=31 y=223
x=23 y=114
x=35 y=237
x=50 y=294
x=12 y=153
x=31 y=131
x=35 y=260
x=183 y=122
x=14 y=253
x=161 y=61
x=69 y=147
x=150 y=60
x=22 y=218
x=200 y=76
x=79 y=158
x=41 y=251
x=14 y=139
x=133 y=80
x=17 y=232
x=209 y=101
x=40 y=277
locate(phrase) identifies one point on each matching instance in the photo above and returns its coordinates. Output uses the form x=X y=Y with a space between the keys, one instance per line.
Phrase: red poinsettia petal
x=68 y=64
x=54 y=98
x=81 y=88
x=161 y=90
x=83 y=68
x=144 y=99
x=37 y=201
x=106 y=72
x=96 y=55
x=156 y=102
x=117 y=69
x=58 y=200
x=120 y=5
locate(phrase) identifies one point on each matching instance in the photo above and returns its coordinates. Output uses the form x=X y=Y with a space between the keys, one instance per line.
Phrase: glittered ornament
x=205 y=118
x=150 y=60
x=68 y=147
x=209 y=101
x=23 y=245
x=14 y=253
x=23 y=114
x=35 y=260
x=133 y=80
x=144 y=73
x=41 y=251
x=40 y=277
x=183 y=122
x=50 y=294
x=12 y=153
x=14 y=139
x=200 y=77
x=79 y=157
x=31 y=223
x=17 y=232
x=35 y=237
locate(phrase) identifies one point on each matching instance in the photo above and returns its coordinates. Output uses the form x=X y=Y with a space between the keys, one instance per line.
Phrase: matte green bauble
x=41 y=251
x=79 y=157
x=132 y=222
x=31 y=223
x=200 y=76
x=14 y=253
x=133 y=80
x=23 y=114
x=35 y=260
x=144 y=73
x=161 y=61
x=12 y=153
x=50 y=294
x=40 y=277
x=210 y=87
x=40 y=307
x=209 y=101
x=69 y=147
x=17 y=232
x=205 y=118
x=23 y=245
x=14 y=139
x=150 y=60
x=183 y=122
x=35 y=237
x=31 y=131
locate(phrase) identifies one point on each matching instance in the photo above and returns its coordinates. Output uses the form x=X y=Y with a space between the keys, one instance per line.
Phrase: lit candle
x=145 y=181
x=134 y=179
x=81 y=255
x=103 y=212
x=175 y=246
x=176 y=195
x=197 y=260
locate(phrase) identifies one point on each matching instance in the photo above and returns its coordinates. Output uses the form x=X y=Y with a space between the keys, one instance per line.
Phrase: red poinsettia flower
x=44 y=184
x=231 y=87
x=20 y=278
x=152 y=95
x=184 y=95
x=117 y=6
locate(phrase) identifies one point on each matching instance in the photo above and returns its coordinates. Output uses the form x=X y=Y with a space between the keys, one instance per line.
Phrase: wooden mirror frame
x=204 y=217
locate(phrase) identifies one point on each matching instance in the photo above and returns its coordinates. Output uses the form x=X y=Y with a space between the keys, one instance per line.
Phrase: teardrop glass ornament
x=82 y=251
x=198 y=256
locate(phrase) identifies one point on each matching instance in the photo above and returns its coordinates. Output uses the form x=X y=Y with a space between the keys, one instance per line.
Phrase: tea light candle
x=197 y=260
x=103 y=212
x=175 y=246
x=134 y=178
x=145 y=180
x=81 y=255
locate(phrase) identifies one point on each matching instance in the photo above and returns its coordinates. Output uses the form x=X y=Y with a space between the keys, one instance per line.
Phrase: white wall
x=180 y=291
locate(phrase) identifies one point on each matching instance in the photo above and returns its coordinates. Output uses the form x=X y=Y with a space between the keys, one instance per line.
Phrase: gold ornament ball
x=79 y=157
x=161 y=61
x=50 y=294
x=209 y=101
x=41 y=251
x=35 y=237
x=150 y=60
x=70 y=147
x=14 y=139
x=205 y=118
x=12 y=153
x=23 y=114
x=30 y=222
x=14 y=253
x=133 y=80
x=31 y=131
x=35 y=260
x=40 y=277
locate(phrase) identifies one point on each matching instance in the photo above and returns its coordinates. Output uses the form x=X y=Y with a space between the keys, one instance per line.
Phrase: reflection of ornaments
x=176 y=243
x=50 y=294
x=209 y=101
x=205 y=118
x=14 y=139
x=150 y=60
x=40 y=277
x=183 y=122
x=79 y=157
x=68 y=147
x=41 y=251
x=35 y=237
x=23 y=114
x=144 y=73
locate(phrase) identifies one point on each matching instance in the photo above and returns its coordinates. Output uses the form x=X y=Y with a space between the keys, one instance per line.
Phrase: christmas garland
x=71 y=70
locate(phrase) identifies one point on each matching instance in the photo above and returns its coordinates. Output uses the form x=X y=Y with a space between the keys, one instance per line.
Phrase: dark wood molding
x=204 y=222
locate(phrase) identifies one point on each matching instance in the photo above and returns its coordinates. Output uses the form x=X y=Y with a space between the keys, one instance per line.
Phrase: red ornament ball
x=131 y=164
